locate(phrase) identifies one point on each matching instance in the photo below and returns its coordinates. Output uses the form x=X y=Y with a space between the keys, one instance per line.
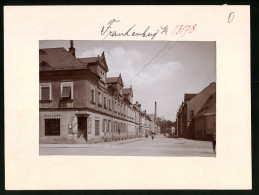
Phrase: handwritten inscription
x=110 y=30
x=231 y=17
x=183 y=29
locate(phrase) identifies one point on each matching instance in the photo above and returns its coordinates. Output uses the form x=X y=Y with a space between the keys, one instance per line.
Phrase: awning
x=66 y=92
x=52 y=117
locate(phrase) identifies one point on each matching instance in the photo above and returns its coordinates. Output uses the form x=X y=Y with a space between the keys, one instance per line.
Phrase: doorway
x=82 y=127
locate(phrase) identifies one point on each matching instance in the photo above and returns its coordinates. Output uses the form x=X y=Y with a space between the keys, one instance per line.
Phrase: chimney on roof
x=72 y=50
x=155 y=110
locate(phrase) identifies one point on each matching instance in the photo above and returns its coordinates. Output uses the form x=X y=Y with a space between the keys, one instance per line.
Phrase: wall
x=200 y=127
x=205 y=126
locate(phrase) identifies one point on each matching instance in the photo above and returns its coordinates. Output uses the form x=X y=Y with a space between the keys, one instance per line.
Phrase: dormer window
x=43 y=63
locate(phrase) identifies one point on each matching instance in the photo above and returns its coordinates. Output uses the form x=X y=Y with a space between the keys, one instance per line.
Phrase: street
x=160 y=146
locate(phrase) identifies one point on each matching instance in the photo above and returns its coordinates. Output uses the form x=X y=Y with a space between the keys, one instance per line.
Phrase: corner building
x=79 y=104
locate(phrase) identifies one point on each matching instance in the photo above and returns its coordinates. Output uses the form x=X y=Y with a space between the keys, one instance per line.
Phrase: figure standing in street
x=214 y=142
x=152 y=136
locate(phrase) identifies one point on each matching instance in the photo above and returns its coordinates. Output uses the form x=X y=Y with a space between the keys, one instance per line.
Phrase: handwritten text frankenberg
x=109 y=30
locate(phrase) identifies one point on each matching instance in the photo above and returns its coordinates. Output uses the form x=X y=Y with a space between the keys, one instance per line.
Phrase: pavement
x=160 y=146
x=93 y=145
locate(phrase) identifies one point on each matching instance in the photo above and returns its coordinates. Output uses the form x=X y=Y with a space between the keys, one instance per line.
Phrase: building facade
x=188 y=110
x=205 y=119
x=79 y=104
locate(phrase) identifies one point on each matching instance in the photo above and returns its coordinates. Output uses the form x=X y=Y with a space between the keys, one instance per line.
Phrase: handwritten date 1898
x=181 y=30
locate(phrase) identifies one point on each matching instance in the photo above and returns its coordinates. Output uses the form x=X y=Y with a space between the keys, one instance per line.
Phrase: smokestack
x=155 y=111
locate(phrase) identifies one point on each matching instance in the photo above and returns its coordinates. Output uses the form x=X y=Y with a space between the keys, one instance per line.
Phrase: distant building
x=181 y=121
x=189 y=108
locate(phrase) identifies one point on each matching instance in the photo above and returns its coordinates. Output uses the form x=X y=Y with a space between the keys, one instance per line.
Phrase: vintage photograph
x=127 y=98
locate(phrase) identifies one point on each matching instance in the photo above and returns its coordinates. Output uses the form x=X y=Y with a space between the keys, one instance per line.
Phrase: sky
x=160 y=71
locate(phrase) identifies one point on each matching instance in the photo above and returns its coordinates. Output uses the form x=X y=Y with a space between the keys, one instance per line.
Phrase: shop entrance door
x=82 y=127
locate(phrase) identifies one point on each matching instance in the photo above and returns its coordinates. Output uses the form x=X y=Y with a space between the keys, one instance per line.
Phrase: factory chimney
x=155 y=111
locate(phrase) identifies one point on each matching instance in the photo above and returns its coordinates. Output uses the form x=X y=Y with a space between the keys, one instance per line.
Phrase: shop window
x=104 y=125
x=97 y=127
x=110 y=126
x=52 y=127
x=115 y=127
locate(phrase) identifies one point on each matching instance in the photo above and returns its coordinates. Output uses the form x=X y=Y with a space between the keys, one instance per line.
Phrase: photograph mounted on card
x=135 y=92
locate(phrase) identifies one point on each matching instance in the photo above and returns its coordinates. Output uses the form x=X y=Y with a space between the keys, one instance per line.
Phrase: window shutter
x=45 y=93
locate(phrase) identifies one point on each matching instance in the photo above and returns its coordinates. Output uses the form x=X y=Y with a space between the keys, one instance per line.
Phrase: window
x=115 y=127
x=104 y=102
x=115 y=107
x=104 y=125
x=99 y=98
x=45 y=91
x=52 y=127
x=110 y=126
x=67 y=90
x=110 y=104
x=97 y=127
x=191 y=113
x=92 y=95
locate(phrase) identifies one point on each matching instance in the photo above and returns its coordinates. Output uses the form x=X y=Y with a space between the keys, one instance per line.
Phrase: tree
x=165 y=126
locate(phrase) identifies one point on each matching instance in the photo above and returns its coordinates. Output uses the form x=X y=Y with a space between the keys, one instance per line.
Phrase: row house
x=181 y=120
x=78 y=103
x=189 y=109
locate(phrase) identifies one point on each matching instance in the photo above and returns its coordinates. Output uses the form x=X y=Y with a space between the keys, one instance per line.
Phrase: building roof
x=209 y=108
x=57 y=58
x=88 y=60
x=60 y=59
x=189 y=96
x=127 y=91
x=112 y=80
x=95 y=60
x=201 y=97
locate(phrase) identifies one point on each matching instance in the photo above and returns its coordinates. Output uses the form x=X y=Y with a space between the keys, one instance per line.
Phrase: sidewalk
x=86 y=145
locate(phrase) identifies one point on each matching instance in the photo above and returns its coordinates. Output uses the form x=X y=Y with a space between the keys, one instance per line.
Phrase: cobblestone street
x=160 y=146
